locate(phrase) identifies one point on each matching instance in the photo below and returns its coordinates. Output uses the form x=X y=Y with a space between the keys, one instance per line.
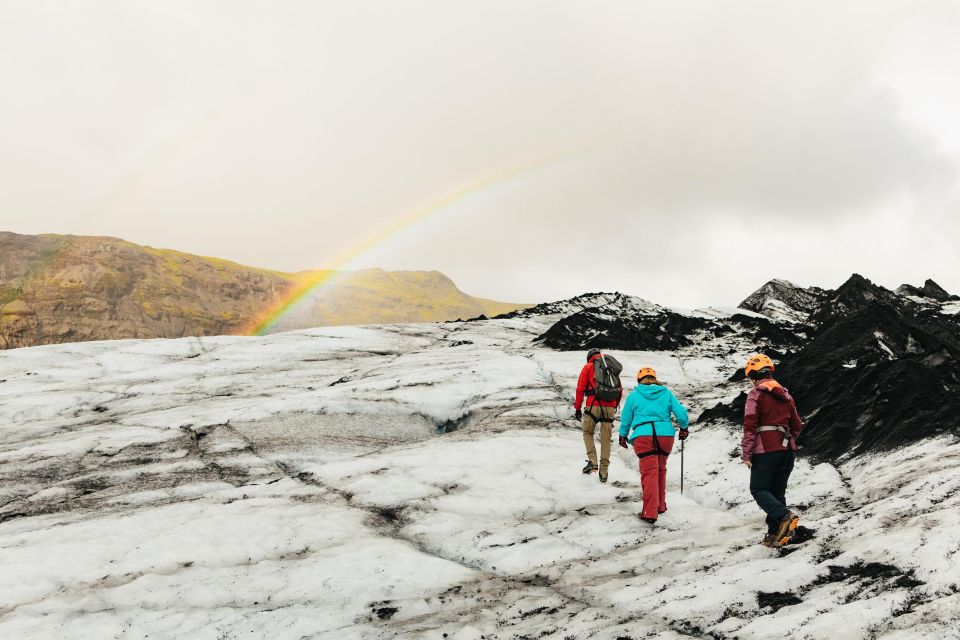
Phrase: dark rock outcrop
x=630 y=324
x=930 y=290
x=876 y=379
x=783 y=300
x=853 y=295
x=727 y=412
x=578 y=303
x=630 y=331
x=878 y=371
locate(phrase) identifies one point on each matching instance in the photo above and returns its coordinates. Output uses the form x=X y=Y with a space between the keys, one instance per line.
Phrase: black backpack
x=606 y=375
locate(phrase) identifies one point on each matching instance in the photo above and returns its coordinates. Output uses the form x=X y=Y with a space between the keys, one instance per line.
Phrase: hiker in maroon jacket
x=598 y=411
x=771 y=425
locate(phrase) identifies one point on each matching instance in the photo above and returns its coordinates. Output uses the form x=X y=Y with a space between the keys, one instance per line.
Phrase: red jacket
x=585 y=388
x=769 y=404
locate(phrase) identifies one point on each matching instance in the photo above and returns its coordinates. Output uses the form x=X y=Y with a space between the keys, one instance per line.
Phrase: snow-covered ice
x=424 y=481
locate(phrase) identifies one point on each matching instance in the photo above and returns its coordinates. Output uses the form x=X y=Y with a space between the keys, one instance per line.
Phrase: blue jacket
x=651 y=403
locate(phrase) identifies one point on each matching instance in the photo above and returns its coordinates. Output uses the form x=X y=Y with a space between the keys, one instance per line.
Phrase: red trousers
x=653 y=473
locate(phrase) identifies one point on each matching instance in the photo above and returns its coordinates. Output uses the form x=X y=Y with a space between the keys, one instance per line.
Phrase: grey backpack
x=606 y=375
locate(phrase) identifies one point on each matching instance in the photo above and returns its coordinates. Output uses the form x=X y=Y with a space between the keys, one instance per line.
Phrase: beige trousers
x=589 y=427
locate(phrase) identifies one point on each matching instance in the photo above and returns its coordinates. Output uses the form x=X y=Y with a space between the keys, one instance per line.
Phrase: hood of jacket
x=650 y=391
x=775 y=389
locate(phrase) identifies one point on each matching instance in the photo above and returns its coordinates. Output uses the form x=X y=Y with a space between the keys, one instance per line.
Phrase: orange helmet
x=757 y=363
x=646 y=372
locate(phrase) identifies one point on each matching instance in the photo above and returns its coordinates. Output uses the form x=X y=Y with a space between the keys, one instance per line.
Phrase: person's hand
x=684 y=433
x=748 y=463
x=578 y=414
x=623 y=442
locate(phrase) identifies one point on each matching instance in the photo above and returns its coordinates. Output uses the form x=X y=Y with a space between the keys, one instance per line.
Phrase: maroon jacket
x=769 y=404
x=585 y=386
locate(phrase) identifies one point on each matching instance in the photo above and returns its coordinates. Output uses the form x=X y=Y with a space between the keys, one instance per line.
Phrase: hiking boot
x=770 y=540
x=603 y=476
x=786 y=530
x=647 y=520
x=590 y=468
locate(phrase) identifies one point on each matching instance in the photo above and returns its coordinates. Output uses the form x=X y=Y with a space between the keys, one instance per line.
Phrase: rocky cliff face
x=71 y=288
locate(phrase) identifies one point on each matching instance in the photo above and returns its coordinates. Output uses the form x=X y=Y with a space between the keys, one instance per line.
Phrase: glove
x=578 y=414
x=683 y=434
x=623 y=441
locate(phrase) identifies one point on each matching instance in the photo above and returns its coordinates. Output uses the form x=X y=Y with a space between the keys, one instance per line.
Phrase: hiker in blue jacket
x=645 y=423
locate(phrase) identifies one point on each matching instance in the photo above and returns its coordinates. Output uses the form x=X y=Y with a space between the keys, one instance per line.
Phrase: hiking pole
x=682 y=442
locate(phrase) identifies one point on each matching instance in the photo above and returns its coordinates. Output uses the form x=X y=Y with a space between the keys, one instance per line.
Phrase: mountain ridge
x=64 y=288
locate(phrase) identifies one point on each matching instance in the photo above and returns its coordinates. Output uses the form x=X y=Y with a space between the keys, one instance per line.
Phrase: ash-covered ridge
x=876 y=380
x=880 y=370
x=854 y=295
x=610 y=301
x=629 y=323
x=784 y=301
x=625 y=329
x=872 y=369
x=929 y=291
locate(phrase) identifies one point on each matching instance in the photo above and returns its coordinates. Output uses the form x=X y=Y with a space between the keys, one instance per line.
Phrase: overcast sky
x=681 y=151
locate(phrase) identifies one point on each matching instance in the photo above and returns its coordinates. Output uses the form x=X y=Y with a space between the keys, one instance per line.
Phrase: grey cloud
x=279 y=133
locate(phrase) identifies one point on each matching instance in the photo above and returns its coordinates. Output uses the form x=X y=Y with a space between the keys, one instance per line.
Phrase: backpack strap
x=592 y=391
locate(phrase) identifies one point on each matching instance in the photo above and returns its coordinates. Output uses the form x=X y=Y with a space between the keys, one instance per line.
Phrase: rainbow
x=313 y=284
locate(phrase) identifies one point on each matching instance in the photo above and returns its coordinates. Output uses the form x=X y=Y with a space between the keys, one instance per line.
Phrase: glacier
x=423 y=481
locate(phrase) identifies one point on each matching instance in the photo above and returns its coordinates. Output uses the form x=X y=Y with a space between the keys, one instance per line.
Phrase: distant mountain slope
x=374 y=296
x=75 y=288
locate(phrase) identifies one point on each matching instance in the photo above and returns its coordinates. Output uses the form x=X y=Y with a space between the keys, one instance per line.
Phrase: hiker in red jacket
x=771 y=425
x=598 y=410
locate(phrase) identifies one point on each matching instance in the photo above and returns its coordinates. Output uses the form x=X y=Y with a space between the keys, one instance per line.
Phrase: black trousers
x=768 y=484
